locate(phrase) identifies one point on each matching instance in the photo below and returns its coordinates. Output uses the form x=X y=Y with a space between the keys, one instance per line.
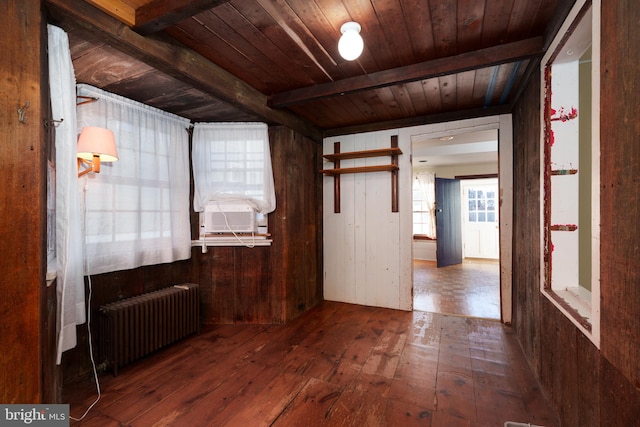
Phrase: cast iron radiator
x=132 y=328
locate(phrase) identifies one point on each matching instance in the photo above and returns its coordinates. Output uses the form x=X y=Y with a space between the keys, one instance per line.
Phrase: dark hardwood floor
x=337 y=365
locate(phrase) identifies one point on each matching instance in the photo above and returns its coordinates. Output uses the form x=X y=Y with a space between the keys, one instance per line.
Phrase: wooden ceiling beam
x=160 y=14
x=449 y=116
x=116 y=8
x=176 y=61
x=481 y=58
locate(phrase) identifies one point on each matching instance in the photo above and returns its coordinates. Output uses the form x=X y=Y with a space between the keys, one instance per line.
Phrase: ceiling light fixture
x=95 y=145
x=350 y=45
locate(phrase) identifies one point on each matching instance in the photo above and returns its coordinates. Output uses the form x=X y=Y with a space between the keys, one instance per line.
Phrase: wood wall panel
x=277 y=283
x=238 y=284
x=364 y=258
x=620 y=194
x=297 y=222
x=114 y=286
x=587 y=386
x=620 y=399
x=526 y=221
x=559 y=364
x=257 y=298
x=23 y=176
x=214 y=272
x=588 y=373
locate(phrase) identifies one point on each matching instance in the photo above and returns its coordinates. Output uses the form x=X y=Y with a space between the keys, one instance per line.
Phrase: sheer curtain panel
x=69 y=272
x=231 y=161
x=425 y=182
x=137 y=209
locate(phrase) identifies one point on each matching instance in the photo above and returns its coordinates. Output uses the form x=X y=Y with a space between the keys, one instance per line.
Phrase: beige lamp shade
x=97 y=142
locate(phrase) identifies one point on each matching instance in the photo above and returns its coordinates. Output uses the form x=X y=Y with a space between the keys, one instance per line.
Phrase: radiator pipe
x=103 y=367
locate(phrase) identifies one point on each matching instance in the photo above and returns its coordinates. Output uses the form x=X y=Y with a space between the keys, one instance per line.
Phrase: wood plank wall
x=241 y=285
x=109 y=287
x=272 y=284
x=364 y=260
x=296 y=223
x=620 y=194
x=587 y=386
x=23 y=176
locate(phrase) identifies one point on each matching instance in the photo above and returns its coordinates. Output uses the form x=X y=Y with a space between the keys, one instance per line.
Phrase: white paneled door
x=481 y=235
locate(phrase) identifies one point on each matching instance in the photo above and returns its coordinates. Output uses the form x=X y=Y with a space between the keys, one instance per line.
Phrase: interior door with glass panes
x=481 y=234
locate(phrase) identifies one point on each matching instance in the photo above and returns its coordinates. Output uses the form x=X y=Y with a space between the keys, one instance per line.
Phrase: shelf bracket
x=393 y=152
x=394 y=175
x=336 y=179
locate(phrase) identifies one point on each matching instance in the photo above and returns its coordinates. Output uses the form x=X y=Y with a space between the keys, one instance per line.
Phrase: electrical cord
x=93 y=362
x=226 y=221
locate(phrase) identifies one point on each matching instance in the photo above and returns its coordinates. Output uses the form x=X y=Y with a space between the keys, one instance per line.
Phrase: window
x=136 y=209
x=237 y=166
x=570 y=170
x=232 y=168
x=481 y=204
x=424 y=220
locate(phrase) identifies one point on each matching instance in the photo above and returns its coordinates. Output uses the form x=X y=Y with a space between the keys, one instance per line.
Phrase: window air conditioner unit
x=227 y=217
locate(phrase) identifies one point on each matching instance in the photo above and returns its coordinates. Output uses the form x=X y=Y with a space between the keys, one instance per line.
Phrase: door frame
x=464 y=184
x=503 y=123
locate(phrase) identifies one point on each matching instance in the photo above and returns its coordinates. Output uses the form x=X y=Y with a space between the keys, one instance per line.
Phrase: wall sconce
x=350 y=45
x=95 y=145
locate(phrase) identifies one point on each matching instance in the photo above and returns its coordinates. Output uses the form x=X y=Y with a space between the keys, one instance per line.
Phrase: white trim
x=390 y=283
x=595 y=174
x=246 y=241
x=503 y=124
x=573 y=299
x=505 y=187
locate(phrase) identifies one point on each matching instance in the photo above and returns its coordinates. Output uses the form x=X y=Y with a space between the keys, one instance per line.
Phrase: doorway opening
x=468 y=289
x=456 y=268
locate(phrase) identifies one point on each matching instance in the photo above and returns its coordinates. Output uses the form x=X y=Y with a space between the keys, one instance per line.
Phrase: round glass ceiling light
x=350 y=45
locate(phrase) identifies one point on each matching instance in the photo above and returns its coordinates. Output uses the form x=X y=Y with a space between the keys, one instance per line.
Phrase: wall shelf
x=560 y=172
x=563 y=227
x=392 y=151
x=342 y=171
x=336 y=171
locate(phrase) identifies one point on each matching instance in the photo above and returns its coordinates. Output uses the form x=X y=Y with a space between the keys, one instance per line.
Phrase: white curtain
x=232 y=161
x=426 y=182
x=137 y=209
x=70 y=280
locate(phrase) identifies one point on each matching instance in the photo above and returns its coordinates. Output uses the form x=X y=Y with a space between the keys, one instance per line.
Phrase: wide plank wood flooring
x=337 y=365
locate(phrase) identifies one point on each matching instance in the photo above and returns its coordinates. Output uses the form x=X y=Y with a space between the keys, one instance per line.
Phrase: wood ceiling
x=277 y=61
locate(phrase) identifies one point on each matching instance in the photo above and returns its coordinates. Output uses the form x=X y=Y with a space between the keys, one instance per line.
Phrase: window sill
x=578 y=299
x=231 y=240
x=423 y=237
x=575 y=303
